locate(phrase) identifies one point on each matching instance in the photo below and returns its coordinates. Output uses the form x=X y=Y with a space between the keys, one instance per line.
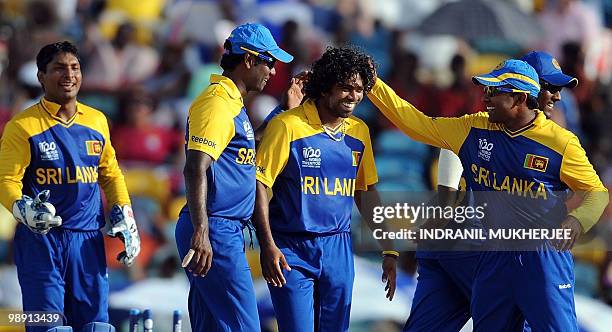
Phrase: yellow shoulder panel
x=551 y=135
x=297 y=124
x=93 y=119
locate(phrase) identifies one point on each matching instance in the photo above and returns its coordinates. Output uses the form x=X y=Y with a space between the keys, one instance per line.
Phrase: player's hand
x=123 y=225
x=295 y=93
x=37 y=214
x=200 y=255
x=576 y=231
x=272 y=259
x=389 y=275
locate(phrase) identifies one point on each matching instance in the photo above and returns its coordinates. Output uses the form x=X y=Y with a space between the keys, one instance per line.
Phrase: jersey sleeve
x=449 y=169
x=447 y=133
x=211 y=126
x=14 y=159
x=579 y=175
x=111 y=178
x=273 y=152
x=366 y=174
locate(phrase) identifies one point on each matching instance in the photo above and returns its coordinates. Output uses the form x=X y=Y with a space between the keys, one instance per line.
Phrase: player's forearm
x=592 y=207
x=10 y=191
x=366 y=202
x=115 y=189
x=196 y=191
x=261 y=217
x=405 y=116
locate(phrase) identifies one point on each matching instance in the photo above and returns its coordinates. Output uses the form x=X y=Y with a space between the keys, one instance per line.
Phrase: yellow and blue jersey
x=218 y=125
x=312 y=175
x=538 y=162
x=72 y=159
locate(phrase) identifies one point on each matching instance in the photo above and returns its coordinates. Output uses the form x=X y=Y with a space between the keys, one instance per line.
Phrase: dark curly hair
x=339 y=65
x=48 y=52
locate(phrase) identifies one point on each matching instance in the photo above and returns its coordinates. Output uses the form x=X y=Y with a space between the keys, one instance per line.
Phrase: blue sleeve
x=276 y=111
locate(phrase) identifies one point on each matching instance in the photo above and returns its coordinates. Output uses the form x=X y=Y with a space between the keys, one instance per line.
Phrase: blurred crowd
x=143 y=62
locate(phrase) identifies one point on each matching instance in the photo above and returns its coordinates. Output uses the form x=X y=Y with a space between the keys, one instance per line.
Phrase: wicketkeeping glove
x=37 y=214
x=123 y=224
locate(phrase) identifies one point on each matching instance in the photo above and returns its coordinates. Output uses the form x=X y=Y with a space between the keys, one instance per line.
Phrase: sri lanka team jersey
x=538 y=162
x=40 y=151
x=312 y=175
x=219 y=126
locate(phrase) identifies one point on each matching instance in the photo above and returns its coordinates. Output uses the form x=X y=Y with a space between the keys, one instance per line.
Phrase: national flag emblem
x=94 y=148
x=356 y=155
x=536 y=163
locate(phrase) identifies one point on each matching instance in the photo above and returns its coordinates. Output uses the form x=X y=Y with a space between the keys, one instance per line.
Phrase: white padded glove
x=123 y=225
x=37 y=214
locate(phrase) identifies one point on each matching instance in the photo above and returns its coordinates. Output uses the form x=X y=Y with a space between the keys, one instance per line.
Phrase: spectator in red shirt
x=137 y=138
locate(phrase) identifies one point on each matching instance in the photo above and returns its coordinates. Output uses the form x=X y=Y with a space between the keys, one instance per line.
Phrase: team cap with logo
x=548 y=69
x=255 y=38
x=512 y=76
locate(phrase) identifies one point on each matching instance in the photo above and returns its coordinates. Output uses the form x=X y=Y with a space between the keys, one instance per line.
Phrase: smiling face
x=260 y=72
x=341 y=101
x=61 y=79
x=548 y=96
x=500 y=105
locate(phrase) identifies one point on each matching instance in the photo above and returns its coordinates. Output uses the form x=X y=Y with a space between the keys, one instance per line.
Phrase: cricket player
x=510 y=144
x=220 y=180
x=54 y=157
x=317 y=159
x=455 y=292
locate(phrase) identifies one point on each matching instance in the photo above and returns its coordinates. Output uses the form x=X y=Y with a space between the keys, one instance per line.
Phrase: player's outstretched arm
x=200 y=255
x=271 y=258
x=447 y=133
x=366 y=204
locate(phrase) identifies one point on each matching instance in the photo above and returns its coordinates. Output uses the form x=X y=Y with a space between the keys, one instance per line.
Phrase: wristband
x=390 y=253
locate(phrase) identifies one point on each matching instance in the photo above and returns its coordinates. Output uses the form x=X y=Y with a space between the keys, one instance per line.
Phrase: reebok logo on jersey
x=484 y=149
x=48 y=151
x=536 y=163
x=312 y=157
x=565 y=286
x=203 y=140
x=94 y=148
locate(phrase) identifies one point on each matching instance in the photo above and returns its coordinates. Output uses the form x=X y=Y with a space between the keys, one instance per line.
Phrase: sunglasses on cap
x=550 y=87
x=268 y=60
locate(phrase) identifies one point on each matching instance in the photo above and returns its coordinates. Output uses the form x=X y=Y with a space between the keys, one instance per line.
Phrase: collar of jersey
x=536 y=123
x=227 y=84
x=310 y=109
x=52 y=108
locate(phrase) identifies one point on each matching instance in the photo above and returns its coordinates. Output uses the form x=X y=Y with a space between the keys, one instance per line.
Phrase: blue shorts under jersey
x=63 y=271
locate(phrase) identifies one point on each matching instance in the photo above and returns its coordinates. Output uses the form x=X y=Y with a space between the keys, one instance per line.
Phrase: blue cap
x=256 y=38
x=515 y=73
x=548 y=69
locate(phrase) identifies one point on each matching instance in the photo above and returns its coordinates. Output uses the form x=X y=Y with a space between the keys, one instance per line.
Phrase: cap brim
x=280 y=55
x=560 y=79
x=487 y=80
